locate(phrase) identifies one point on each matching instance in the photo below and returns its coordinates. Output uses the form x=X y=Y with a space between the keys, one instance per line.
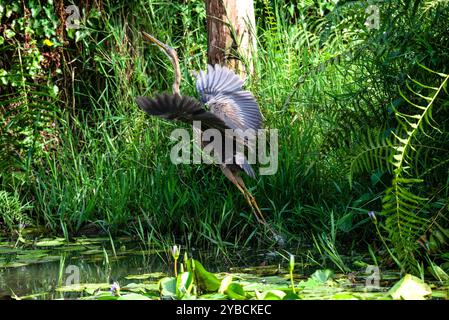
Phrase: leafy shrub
x=12 y=212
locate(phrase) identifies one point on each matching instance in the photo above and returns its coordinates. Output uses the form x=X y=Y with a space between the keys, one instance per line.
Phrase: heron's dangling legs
x=251 y=198
x=238 y=182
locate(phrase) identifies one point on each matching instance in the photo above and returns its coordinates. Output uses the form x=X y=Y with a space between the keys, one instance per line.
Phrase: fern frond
x=401 y=204
x=372 y=153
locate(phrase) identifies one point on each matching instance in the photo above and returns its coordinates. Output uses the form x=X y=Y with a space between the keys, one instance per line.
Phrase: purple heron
x=229 y=107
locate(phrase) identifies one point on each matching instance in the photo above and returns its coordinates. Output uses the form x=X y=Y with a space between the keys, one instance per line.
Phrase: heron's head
x=169 y=51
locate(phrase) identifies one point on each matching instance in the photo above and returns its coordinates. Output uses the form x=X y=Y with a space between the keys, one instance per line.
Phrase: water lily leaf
x=213 y=296
x=206 y=281
x=51 y=242
x=271 y=295
x=235 y=291
x=440 y=294
x=248 y=287
x=102 y=295
x=80 y=287
x=133 y=296
x=410 y=288
x=291 y=296
x=38 y=258
x=167 y=286
x=310 y=284
x=4 y=250
x=33 y=296
x=372 y=295
x=145 y=252
x=344 y=296
x=276 y=280
x=225 y=283
x=12 y=264
x=322 y=275
x=141 y=287
x=155 y=275
x=86 y=241
x=71 y=248
x=184 y=284
x=92 y=252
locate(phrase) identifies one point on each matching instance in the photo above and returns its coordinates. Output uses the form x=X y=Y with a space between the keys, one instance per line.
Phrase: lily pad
x=92 y=252
x=155 y=275
x=72 y=248
x=51 y=242
x=133 y=296
x=440 y=294
x=235 y=291
x=30 y=259
x=11 y=264
x=344 y=296
x=225 y=284
x=4 y=250
x=102 y=295
x=291 y=296
x=310 y=284
x=86 y=241
x=184 y=284
x=80 y=287
x=168 y=286
x=141 y=287
x=271 y=295
x=206 y=281
x=410 y=288
x=322 y=275
x=213 y=296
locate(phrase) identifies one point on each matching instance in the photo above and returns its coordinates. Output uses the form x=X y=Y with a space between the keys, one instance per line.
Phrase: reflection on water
x=40 y=270
x=45 y=277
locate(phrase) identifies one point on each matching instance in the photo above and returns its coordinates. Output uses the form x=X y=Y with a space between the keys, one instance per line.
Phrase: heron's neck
x=177 y=71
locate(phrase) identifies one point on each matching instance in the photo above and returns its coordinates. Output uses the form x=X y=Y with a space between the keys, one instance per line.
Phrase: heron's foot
x=279 y=239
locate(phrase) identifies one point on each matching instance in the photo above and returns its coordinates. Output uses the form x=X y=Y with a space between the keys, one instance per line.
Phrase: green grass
x=110 y=163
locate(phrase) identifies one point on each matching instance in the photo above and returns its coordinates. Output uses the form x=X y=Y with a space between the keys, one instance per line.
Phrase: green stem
x=176 y=267
x=291 y=280
x=385 y=244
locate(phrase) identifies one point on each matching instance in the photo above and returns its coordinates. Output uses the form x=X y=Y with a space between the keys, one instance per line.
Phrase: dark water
x=38 y=271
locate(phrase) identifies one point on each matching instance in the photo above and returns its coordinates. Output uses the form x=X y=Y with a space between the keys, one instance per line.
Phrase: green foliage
x=30 y=64
x=80 y=150
x=406 y=153
x=410 y=288
x=12 y=212
x=406 y=209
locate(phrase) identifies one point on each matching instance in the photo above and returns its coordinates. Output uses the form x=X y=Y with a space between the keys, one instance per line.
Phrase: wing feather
x=185 y=109
x=221 y=89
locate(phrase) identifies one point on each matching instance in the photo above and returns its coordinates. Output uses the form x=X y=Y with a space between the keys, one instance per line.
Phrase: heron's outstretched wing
x=185 y=109
x=221 y=89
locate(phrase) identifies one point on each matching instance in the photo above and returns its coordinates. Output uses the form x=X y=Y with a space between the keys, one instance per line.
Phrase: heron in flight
x=229 y=107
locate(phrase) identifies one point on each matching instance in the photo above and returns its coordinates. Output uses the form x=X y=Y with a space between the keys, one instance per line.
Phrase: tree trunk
x=231 y=34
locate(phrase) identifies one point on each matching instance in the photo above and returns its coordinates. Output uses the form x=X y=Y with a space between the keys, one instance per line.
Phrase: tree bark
x=231 y=34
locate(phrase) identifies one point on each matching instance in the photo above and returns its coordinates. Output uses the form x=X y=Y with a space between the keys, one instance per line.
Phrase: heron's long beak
x=156 y=41
x=171 y=54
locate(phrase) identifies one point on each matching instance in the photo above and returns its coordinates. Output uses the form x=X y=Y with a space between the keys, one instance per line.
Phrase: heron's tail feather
x=248 y=168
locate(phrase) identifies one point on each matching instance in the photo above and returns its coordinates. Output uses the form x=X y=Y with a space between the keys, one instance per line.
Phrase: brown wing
x=185 y=109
